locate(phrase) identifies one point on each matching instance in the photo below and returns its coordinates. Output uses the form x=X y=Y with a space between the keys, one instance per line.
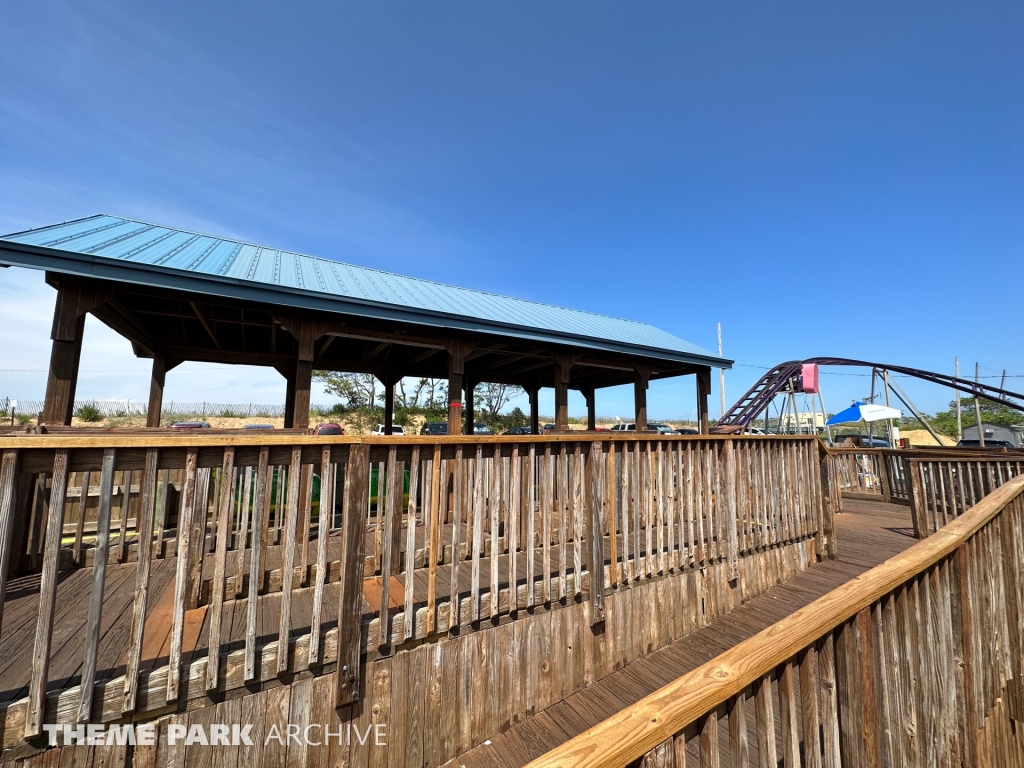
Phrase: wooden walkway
x=868 y=533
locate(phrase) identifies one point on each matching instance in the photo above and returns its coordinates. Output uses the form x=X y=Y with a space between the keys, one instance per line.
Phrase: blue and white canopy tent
x=867 y=412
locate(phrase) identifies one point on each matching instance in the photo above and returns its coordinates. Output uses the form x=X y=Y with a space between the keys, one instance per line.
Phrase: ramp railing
x=916 y=662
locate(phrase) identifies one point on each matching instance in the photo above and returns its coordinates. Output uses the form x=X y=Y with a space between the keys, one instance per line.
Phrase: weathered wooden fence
x=917 y=662
x=383 y=541
x=945 y=488
x=871 y=473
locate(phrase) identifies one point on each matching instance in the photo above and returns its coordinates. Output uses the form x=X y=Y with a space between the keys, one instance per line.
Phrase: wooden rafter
x=207 y=324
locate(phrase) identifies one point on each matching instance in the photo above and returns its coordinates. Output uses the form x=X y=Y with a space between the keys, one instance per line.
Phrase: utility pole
x=721 y=371
x=977 y=408
x=871 y=424
x=885 y=385
x=959 y=422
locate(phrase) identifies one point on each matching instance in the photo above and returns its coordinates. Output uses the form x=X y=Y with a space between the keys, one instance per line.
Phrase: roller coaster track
x=760 y=396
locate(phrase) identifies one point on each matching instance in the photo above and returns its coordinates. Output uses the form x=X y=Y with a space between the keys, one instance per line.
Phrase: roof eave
x=68 y=262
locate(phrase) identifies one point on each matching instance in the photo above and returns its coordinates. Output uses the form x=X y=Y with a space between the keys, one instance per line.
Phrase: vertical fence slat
x=434 y=509
x=595 y=537
x=328 y=478
x=47 y=597
x=739 y=749
x=392 y=508
x=495 y=503
x=245 y=509
x=223 y=530
x=144 y=528
x=83 y=503
x=809 y=707
x=260 y=515
x=458 y=503
x=184 y=553
x=514 y=521
x=288 y=558
x=99 y=569
x=410 y=544
x=357 y=477
x=764 y=710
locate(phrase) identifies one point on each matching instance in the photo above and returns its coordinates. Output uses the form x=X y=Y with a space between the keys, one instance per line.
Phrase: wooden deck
x=869 y=532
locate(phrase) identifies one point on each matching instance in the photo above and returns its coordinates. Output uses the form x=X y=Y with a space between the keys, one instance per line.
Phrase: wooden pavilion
x=180 y=296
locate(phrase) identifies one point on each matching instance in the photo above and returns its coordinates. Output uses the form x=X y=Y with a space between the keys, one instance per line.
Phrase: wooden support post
x=640 y=380
x=563 y=365
x=300 y=369
x=470 y=405
x=389 y=403
x=533 y=391
x=561 y=405
x=289 y=396
x=703 y=391
x=63 y=376
x=589 y=396
x=156 y=391
x=74 y=299
x=303 y=384
x=457 y=351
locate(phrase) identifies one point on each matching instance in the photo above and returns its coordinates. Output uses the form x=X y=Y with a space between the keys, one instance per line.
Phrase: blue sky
x=822 y=179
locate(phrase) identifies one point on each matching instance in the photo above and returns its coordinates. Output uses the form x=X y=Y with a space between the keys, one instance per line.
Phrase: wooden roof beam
x=205 y=322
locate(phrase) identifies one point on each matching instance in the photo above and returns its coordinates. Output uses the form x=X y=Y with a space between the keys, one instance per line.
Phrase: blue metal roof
x=124 y=249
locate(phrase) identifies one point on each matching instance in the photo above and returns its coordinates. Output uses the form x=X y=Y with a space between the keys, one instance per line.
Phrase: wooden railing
x=938 y=484
x=871 y=472
x=942 y=489
x=378 y=534
x=916 y=662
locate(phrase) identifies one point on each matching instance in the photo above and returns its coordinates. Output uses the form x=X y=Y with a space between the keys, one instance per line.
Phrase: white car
x=395 y=430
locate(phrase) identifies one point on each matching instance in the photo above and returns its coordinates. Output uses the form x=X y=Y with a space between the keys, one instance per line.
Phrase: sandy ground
x=920 y=438
x=219 y=422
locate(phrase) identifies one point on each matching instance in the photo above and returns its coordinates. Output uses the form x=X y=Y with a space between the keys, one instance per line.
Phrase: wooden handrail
x=638 y=729
x=195 y=438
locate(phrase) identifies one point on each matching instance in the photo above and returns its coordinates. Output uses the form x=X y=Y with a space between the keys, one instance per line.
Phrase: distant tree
x=991 y=413
x=493 y=398
x=356 y=390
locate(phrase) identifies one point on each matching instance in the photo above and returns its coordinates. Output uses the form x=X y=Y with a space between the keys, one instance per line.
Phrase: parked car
x=395 y=430
x=190 y=425
x=860 y=441
x=624 y=428
x=258 y=426
x=548 y=427
x=479 y=428
x=328 y=429
x=434 y=428
x=989 y=443
x=663 y=429
x=687 y=431
x=518 y=431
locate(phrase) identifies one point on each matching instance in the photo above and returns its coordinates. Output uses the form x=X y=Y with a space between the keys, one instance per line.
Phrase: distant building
x=997 y=434
x=803 y=422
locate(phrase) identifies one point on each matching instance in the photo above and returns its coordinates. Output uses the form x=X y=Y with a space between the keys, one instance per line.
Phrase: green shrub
x=89 y=413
